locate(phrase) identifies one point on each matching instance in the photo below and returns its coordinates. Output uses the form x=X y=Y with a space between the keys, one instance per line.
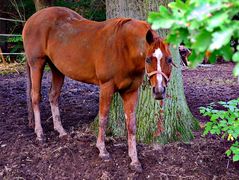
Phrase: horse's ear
x=149 y=36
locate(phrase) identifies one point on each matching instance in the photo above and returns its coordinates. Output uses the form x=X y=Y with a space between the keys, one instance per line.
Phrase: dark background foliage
x=23 y=9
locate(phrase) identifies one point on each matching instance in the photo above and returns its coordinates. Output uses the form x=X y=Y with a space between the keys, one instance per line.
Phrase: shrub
x=224 y=123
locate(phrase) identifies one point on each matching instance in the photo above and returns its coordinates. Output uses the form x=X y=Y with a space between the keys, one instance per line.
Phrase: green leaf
x=227 y=52
x=223 y=122
x=164 y=12
x=194 y=25
x=195 y=58
x=153 y=16
x=202 y=41
x=228 y=152
x=178 y=5
x=202 y=110
x=214 y=117
x=225 y=128
x=216 y=20
x=231 y=108
x=222 y=102
x=164 y=23
x=202 y=11
x=236 y=70
x=160 y=19
x=235 y=158
x=221 y=38
x=205 y=132
x=213 y=57
x=172 y=38
x=235 y=57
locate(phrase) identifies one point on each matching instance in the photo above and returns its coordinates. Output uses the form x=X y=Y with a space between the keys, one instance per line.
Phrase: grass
x=11 y=68
x=18 y=68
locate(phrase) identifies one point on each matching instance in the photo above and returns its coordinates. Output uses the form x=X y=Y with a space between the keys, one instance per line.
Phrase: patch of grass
x=11 y=68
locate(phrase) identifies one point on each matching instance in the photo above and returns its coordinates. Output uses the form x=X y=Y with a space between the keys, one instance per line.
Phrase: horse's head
x=158 y=65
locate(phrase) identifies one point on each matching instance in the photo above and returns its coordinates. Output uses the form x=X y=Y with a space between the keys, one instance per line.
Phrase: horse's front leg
x=106 y=93
x=130 y=100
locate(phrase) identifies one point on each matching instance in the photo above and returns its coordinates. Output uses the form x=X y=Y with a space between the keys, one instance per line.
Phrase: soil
x=21 y=157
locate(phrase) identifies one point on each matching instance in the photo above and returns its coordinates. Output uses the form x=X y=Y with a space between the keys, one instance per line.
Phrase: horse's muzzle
x=159 y=93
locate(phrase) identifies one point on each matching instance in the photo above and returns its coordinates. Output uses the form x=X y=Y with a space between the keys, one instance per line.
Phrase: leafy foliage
x=90 y=9
x=205 y=26
x=224 y=123
x=23 y=9
x=18 y=46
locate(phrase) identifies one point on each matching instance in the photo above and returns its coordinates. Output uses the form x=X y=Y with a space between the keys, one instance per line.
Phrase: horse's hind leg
x=31 y=123
x=36 y=66
x=57 y=82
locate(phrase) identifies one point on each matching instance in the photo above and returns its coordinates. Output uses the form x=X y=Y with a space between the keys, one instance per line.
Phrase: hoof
x=136 y=167
x=105 y=157
x=41 y=140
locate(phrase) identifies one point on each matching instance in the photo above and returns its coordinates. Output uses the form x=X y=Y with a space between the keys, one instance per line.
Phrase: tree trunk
x=177 y=122
x=40 y=4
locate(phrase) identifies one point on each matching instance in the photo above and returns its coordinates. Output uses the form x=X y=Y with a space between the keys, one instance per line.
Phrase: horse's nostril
x=154 y=90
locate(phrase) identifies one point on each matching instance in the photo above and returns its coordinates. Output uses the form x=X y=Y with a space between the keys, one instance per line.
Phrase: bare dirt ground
x=22 y=158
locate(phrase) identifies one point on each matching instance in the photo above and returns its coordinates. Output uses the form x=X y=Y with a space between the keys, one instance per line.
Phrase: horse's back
x=36 y=30
x=84 y=50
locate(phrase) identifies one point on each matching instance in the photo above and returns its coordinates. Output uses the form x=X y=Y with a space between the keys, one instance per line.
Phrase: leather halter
x=157 y=72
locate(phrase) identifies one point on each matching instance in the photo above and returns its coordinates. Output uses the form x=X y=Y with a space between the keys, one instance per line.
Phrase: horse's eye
x=169 y=60
x=148 y=60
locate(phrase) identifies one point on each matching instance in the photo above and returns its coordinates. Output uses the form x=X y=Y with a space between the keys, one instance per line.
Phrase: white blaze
x=158 y=54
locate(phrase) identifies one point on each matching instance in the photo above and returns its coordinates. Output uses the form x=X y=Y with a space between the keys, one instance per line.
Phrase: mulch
x=22 y=158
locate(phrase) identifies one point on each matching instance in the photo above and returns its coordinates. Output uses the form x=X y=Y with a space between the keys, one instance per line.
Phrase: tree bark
x=177 y=122
x=40 y=4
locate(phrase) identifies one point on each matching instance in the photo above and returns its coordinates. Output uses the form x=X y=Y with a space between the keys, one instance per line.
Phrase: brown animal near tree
x=113 y=54
x=184 y=53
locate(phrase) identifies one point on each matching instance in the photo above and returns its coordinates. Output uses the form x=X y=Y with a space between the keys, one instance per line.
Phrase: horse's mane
x=158 y=41
x=121 y=21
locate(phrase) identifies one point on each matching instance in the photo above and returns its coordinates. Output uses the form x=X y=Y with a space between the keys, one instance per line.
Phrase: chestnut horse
x=113 y=54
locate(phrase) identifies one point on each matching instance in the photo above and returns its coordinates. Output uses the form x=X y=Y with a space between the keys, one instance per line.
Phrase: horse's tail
x=29 y=100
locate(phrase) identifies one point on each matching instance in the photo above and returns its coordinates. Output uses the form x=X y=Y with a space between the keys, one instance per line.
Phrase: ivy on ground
x=224 y=123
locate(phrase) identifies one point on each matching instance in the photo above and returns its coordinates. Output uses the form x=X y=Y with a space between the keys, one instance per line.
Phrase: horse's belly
x=77 y=71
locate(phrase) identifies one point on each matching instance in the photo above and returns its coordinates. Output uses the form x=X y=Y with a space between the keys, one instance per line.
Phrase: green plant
x=16 y=46
x=205 y=26
x=224 y=123
x=17 y=41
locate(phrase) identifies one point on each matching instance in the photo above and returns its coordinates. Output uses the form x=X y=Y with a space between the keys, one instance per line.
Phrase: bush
x=224 y=123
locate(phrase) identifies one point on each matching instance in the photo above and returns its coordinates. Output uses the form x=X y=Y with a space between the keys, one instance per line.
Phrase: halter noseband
x=157 y=72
